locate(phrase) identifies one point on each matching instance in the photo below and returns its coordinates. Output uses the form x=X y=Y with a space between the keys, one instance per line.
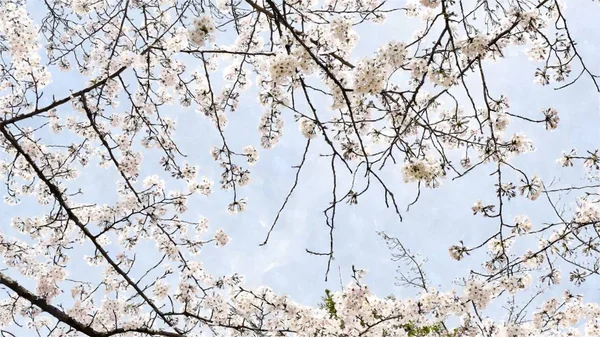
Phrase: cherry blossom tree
x=424 y=108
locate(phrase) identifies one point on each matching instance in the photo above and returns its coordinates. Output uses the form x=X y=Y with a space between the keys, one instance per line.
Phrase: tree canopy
x=109 y=109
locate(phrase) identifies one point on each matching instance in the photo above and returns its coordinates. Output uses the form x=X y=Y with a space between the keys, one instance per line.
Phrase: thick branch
x=68 y=320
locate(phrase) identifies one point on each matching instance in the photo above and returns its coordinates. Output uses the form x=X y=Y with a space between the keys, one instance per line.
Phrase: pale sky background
x=441 y=218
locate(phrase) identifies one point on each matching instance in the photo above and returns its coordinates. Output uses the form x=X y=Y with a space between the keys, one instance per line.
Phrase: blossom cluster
x=201 y=30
